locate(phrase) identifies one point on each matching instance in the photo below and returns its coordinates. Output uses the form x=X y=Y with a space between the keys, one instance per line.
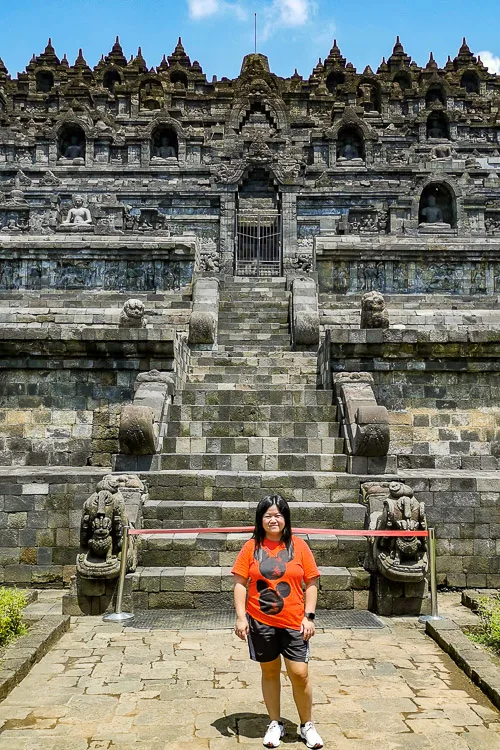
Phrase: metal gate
x=258 y=244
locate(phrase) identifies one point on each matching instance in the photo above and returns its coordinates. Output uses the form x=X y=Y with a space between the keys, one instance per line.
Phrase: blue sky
x=292 y=33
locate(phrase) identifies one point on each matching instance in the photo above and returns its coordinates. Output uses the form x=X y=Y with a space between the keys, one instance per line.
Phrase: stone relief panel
x=340 y=277
x=126 y=275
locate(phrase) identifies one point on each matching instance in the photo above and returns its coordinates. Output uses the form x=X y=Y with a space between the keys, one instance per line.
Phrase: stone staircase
x=249 y=422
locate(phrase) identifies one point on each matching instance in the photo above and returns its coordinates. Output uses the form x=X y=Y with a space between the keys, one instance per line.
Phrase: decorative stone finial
x=116 y=55
x=80 y=61
x=383 y=67
x=179 y=56
x=398 y=58
x=432 y=64
x=335 y=58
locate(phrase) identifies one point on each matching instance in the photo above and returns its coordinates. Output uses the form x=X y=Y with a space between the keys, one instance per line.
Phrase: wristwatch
x=309 y=615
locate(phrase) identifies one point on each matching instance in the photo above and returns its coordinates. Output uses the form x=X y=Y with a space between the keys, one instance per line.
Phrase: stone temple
x=213 y=290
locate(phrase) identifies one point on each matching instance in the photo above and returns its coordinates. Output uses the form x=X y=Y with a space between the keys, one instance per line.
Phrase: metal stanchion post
x=434 y=615
x=118 y=615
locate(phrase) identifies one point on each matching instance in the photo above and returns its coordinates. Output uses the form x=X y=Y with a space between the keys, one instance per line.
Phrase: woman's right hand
x=241 y=628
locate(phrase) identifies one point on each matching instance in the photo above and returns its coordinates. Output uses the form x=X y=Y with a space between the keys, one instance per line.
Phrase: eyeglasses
x=278 y=517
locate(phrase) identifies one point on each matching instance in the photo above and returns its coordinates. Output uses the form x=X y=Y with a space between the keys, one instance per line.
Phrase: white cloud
x=286 y=14
x=199 y=9
x=292 y=12
x=202 y=8
x=491 y=61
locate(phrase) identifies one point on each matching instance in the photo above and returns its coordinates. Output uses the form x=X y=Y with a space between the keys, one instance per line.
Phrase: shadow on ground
x=252 y=726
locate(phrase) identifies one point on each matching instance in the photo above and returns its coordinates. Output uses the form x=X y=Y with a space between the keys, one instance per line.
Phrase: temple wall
x=441 y=388
x=63 y=417
x=68 y=367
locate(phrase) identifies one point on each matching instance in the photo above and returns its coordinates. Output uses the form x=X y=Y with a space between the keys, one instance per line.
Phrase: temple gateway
x=215 y=289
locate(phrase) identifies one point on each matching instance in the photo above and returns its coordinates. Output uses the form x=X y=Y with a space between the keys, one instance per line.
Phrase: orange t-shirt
x=275 y=596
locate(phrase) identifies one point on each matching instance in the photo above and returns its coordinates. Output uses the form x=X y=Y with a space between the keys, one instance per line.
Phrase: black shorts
x=266 y=642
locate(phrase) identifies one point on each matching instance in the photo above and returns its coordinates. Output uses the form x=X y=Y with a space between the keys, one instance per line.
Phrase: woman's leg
x=271 y=671
x=298 y=672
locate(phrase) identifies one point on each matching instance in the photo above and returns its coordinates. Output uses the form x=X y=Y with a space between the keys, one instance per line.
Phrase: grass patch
x=488 y=631
x=12 y=604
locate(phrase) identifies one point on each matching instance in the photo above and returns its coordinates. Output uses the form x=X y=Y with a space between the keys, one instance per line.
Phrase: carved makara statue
x=78 y=215
x=392 y=506
x=101 y=530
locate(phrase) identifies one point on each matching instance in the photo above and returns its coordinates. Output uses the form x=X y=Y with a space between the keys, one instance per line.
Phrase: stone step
x=276 y=341
x=248 y=326
x=252 y=378
x=253 y=445
x=196 y=396
x=244 y=486
x=241 y=291
x=251 y=461
x=178 y=514
x=258 y=429
x=242 y=298
x=447 y=462
x=259 y=335
x=276 y=359
x=245 y=292
x=247 y=386
x=296 y=415
x=263 y=306
x=307 y=368
x=193 y=587
x=218 y=549
x=261 y=310
x=251 y=349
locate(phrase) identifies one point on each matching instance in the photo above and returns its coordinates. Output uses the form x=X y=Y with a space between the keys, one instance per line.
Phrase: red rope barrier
x=249 y=529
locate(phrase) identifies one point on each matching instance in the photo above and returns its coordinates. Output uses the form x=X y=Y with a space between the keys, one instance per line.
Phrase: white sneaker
x=275 y=732
x=310 y=736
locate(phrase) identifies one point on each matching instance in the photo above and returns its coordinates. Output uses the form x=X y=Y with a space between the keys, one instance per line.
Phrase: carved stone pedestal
x=392 y=598
x=87 y=596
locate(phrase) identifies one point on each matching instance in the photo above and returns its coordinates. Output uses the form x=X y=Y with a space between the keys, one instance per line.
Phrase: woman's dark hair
x=259 y=534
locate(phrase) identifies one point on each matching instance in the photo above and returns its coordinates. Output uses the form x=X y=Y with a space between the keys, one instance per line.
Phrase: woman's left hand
x=307 y=628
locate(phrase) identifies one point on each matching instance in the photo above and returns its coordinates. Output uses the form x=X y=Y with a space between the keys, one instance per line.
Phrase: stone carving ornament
x=303 y=263
x=133 y=314
x=101 y=531
x=209 y=260
x=374 y=312
x=392 y=506
x=229 y=173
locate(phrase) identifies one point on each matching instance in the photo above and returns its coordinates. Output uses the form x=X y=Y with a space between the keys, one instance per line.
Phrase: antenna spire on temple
x=255 y=32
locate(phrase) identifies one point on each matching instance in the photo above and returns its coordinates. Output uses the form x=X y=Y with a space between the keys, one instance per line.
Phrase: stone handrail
x=141 y=422
x=365 y=424
x=304 y=316
x=205 y=315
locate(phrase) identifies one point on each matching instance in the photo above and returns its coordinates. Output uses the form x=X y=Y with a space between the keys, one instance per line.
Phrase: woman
x=273 y=617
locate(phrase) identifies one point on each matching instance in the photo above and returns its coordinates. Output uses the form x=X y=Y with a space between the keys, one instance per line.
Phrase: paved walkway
x=106 y=687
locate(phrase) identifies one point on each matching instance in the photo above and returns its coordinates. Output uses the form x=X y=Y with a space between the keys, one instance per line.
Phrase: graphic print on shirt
x=272 y=600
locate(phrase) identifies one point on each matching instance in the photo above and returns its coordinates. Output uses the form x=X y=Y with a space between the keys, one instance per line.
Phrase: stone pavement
x=105 y=687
